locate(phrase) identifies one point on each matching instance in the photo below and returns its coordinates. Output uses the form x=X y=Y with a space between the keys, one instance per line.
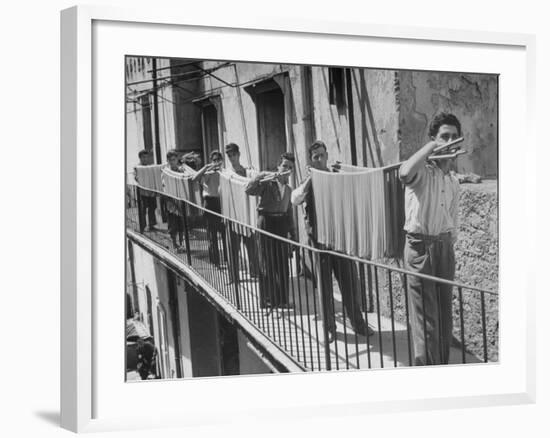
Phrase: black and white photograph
x=245 y=219
x=285 y=218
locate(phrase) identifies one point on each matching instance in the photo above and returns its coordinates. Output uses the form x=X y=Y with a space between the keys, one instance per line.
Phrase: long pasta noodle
x=350 y=209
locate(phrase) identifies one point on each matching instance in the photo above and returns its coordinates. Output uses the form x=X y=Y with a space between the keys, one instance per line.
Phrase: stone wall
x=477 y=259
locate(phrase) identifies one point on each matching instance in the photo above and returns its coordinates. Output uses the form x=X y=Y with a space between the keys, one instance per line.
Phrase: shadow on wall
x=331 y=112
x=374 y=151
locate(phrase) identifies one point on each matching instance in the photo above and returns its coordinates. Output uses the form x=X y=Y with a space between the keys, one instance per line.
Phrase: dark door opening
x=270 y=107
x=210 y=135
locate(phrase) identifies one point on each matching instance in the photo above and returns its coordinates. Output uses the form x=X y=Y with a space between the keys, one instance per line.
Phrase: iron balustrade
x=277 y=284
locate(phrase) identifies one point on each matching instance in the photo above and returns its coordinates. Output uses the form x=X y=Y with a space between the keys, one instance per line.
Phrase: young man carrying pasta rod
x=344 y=270
x=275 y=216
x=431 y=226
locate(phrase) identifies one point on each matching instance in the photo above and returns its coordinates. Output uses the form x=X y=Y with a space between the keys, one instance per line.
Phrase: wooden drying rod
x=274 y=175
x=448 y=145
x=442 y=157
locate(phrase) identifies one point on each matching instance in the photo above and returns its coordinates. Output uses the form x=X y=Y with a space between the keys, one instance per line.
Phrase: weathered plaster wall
x=139 y=69
x=471 y=97
x=374 y=113
x=331 y=122
x=239 y=122
x=376 y=116
x=151 y=275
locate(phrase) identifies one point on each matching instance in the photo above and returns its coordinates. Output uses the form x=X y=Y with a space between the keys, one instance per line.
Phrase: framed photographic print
x=288 y=226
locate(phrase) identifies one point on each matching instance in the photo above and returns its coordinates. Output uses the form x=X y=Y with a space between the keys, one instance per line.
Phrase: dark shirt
x=309 y=216
x=271 y=201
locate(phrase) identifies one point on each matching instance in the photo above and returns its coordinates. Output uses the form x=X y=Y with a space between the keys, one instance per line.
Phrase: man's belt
x=269 y=214
x=431 y=238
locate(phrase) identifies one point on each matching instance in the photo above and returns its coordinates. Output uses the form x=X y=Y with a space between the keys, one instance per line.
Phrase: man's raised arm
x=299 y=194
x=409 y=168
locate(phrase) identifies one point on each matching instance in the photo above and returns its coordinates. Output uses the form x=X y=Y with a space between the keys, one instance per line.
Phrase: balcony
x=219 y=263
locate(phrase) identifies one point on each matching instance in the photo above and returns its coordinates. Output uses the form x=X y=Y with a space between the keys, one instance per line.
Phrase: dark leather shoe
x=364 y=330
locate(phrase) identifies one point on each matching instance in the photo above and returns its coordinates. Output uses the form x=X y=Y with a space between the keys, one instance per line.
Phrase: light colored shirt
x=431 y=202
x=211 y=184
x=299 y=194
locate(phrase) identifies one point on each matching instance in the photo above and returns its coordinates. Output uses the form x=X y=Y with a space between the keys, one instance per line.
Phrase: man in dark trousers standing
x=209 y=179
x=431 y=225
x=234 y=157
x=344 y=270
x=274 y=216
x=147 y=200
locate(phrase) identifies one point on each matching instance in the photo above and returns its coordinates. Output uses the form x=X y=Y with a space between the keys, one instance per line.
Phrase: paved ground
x=299 y=329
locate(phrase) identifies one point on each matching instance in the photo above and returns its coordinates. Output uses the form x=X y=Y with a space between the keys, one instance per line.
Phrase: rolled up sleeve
x=299 y=194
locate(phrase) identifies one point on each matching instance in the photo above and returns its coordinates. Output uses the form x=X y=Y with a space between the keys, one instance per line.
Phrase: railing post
x=230 y=230
x=462 y=336
x=484 y=326
x=186 y=232
x=324 y=317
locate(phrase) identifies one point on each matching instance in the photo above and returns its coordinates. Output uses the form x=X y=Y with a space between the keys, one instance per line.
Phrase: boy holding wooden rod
x=274 y=216
x=209 y=178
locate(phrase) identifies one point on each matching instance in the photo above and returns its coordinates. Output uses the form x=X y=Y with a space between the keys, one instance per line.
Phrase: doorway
x=270 y=107
x=210 y=128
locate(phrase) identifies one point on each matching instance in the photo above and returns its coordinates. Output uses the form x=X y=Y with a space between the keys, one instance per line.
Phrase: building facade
x=368 y=117
x=193 y=337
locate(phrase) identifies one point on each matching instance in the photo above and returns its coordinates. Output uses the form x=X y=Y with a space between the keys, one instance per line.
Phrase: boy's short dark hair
x=316 y=145
x=286 y=156
x=142 y=153
x=231 y=147
x=172 y=153
x=216 y=153
x=443 y=118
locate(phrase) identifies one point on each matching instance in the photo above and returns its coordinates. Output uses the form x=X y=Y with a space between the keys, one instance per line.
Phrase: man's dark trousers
x=346 y=275
x=274 y=275
x=430 y=302
x=146 y=208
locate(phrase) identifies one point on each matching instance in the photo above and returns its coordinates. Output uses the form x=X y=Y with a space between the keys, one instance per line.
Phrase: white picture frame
x=81 y=366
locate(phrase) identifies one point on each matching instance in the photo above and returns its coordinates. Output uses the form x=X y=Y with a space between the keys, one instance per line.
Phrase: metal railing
x=287 y=290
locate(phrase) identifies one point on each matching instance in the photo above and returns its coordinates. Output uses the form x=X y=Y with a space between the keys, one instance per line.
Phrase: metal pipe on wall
x=156 y=113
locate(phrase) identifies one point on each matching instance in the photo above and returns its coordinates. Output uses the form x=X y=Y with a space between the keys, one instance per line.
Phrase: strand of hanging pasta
x=394 y=200
x=150 y=176
x=180 y=185
x=350 y=210
x=235 y=203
